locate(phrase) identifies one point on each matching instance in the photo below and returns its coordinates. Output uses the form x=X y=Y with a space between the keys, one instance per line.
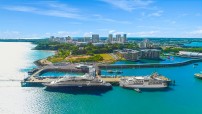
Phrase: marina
x=37 y=80
x=36 y=100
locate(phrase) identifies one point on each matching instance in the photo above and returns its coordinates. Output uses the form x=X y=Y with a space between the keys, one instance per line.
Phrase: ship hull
x=155 y=87
x=78 y=87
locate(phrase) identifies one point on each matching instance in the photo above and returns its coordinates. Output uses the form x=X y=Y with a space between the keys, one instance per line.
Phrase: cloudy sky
x=137 y=18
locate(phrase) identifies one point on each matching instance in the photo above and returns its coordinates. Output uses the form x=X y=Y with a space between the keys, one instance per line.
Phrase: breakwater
x=105 y=66
x=63 y=69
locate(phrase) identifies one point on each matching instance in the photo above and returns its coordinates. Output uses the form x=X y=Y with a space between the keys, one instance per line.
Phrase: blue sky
x=137 y=18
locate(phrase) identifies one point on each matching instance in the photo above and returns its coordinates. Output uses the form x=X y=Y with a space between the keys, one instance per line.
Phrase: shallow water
x=194 y=44
x=60 y=74
x=17 y=58
x=165 y=59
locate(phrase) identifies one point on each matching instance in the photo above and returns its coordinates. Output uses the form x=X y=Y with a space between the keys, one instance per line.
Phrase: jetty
x=35 y=79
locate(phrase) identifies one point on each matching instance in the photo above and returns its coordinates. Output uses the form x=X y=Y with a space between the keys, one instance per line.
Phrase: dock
x=111 y=80
x=35 y=79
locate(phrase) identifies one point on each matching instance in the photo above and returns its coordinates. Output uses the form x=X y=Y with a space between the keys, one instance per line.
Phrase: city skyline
x=136 y=18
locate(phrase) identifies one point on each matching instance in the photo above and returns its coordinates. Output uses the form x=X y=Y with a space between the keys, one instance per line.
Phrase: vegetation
x=94 y=58
x=55 y=59
x=88 y=49
x=95 y=53
x=107 y=58
x=47 y=45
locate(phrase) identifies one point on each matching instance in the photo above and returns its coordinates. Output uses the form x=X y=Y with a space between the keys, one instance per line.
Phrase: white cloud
x=65 y=33
x=144 y=33
x=87 y=34
x=10 y=34
x=129 y=5
x=60 y=6
x=101 y=18
x=21 y=8
x=20 y=35
x=50 y=9
x=193 y=34
x=112 y=31
x=156 y=14
x=196 y=32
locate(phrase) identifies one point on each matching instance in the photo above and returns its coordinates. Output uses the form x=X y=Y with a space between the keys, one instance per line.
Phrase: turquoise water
x=172 y=59
x=194 y=44
x=184 y=98
x=60 y=74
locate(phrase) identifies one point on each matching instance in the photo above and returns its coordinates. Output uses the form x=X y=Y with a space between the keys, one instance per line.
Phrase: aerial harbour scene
x=100 y=57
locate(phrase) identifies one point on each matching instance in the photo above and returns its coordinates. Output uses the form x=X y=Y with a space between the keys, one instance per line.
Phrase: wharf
x=36 y=80
x=111 y=80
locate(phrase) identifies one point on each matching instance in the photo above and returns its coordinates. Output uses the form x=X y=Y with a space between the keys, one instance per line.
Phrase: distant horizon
x=104 y=37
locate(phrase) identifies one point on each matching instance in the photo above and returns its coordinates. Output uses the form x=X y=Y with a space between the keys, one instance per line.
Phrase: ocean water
x=194 y=44
x=60 y=74
x=17 y=58
x=165 y=59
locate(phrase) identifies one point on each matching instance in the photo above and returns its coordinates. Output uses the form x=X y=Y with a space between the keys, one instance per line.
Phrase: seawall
x=150 y=65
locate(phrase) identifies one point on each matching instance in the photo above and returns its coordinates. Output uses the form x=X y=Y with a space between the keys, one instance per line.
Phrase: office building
x=95 y=38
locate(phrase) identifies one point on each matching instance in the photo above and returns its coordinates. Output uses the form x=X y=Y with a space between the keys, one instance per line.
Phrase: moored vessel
x=79 y=82
x=154 y=81
x=198 y=75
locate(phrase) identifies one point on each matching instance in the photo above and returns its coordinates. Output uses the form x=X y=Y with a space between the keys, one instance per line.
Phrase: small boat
x=118 y=71
x=198 y=75
x=110 y=71
x=137 y=90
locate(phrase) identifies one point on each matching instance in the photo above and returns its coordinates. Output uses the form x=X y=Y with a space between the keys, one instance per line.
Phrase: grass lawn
x=107 y=57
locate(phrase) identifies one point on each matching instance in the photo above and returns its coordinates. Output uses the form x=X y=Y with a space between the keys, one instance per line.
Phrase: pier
x=111 y=80
x=35 y=79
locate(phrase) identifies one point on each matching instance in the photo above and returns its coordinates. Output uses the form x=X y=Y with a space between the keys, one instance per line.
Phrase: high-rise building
x=68 y=38
x=80 y=39
x=87 y=39
x=95 y=38
x=145 y=44
x=110 y=38
x=124 y=39
x=118 y=38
